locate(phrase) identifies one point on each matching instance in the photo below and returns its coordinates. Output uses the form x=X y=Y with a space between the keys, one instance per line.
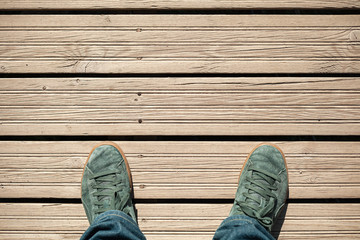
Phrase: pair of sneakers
x=261 y=194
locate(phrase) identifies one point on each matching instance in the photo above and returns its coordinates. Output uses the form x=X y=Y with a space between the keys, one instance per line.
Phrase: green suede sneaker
x=106 y=182
x=263 y=185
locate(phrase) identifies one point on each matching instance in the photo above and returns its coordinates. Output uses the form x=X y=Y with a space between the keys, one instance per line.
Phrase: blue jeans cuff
x=241 y=227
x=242 y=218
x=114 y=215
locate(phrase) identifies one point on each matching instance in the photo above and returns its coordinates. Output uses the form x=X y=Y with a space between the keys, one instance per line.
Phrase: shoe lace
x=111 y=193
x=259 y=199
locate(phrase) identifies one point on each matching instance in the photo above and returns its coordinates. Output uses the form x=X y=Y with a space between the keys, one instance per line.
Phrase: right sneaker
x=263 y=185
x=106 y=182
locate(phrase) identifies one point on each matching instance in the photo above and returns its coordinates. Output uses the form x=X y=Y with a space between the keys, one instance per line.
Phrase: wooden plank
x=179 y=44
x=183 y=221
x=216 y=35
x=209 y=169
x=178 y=84
x=180 y=106
x=172 y=4
x=262 y=129
x=175 y=51
x=119 y=21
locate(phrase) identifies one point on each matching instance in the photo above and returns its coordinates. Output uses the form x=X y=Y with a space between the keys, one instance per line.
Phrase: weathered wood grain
x=173 y=4
x=164 y=21
x=179 y=44
x=168 y=44
x=181 y=221
x=207 y=170
x=178 y=84
x=180 y=106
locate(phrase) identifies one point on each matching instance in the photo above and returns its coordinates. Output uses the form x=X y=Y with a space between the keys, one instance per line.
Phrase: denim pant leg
x=113 y=225
x=241 y=227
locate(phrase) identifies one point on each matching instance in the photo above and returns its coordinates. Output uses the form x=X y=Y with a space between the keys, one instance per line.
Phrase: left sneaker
x=263 y=185
x=106 y=182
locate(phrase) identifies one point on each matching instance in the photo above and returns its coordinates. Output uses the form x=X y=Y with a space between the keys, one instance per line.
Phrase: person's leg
x=260 y=197
x=106 y=194
x=241 y=227
x=113 y=224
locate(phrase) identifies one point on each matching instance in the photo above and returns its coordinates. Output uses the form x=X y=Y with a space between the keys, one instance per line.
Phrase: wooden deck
x=186 y=96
